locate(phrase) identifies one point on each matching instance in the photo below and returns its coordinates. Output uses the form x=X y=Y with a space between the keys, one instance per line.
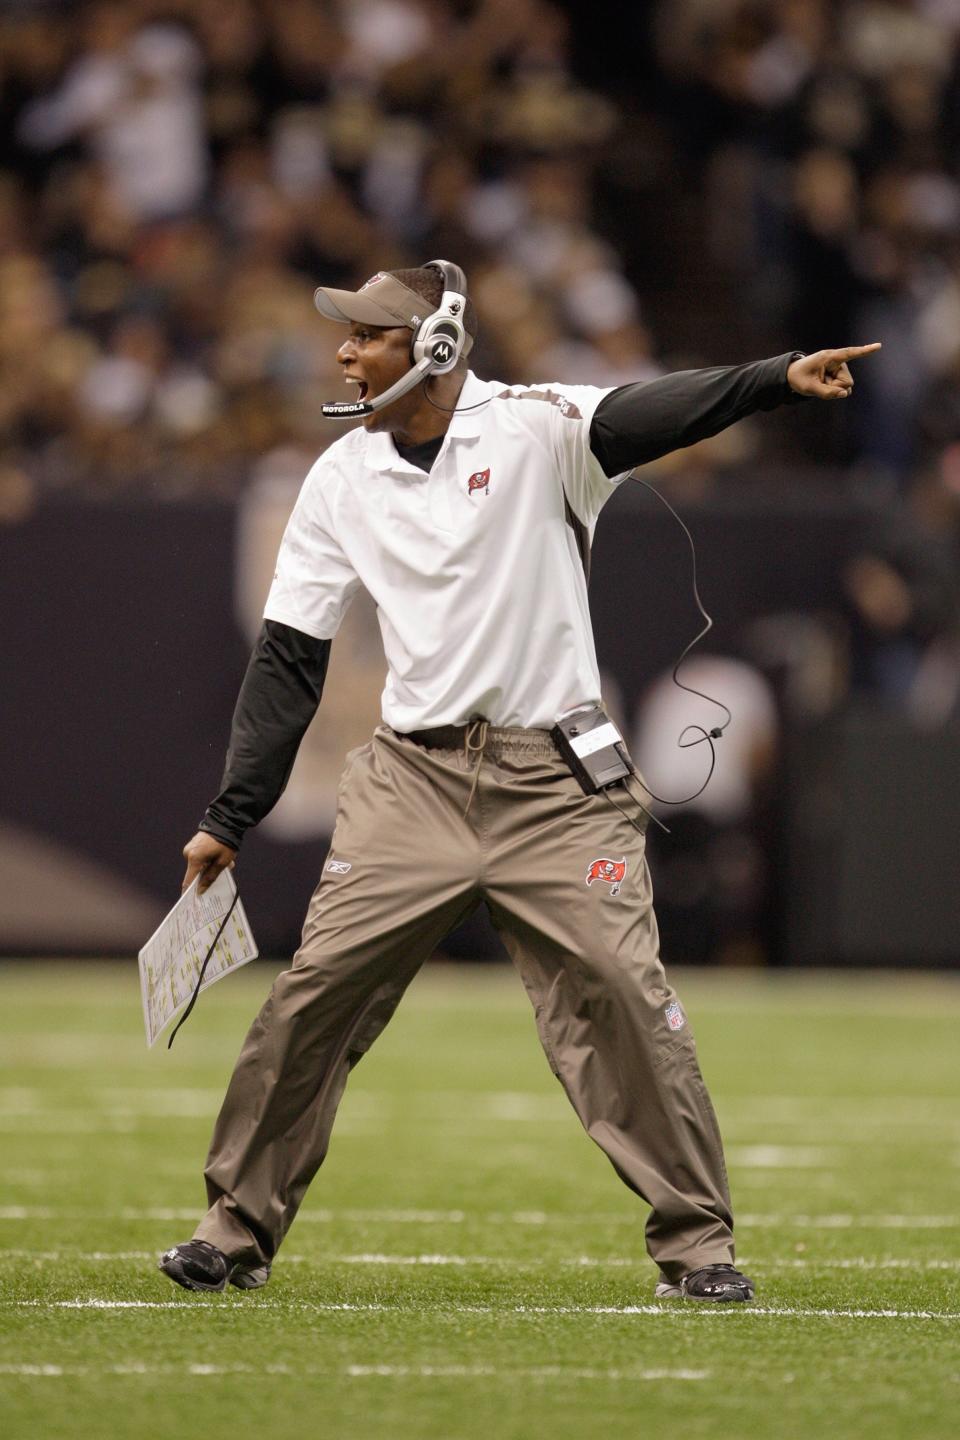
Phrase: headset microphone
x=350 y=409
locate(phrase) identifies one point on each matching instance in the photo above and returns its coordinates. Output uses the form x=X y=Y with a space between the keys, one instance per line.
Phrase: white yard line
x=883 y=1109
x=378 y=1259
x=322 y=1217
x=48 y=1123
x=886 y=1107
x=848 y=1222
x=773 y=1179
x=783 y=1157
x=62 y=1051
x=582 y=1262
x=364 y=1372
x=849 y=1120
x=181 y=1101
x=537 y=1372
x=131 y=1122
x=765 y=1220
x=39 y=1257
x=859 y=1262
x=825 y=1127
x=675 y=1309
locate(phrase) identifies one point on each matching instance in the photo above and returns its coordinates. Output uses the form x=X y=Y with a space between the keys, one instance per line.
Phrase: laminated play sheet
x=171 y=960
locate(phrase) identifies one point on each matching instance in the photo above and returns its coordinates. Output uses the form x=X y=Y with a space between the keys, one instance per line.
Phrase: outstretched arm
x=278 y=698
x=639 y=423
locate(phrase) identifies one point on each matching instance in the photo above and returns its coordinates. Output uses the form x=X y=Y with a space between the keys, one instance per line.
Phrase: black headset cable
x=203 y=969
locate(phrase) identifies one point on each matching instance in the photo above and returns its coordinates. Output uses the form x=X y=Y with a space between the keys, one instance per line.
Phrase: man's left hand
x=825 y=374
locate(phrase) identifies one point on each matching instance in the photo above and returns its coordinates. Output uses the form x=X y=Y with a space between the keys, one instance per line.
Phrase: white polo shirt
x=475 y=572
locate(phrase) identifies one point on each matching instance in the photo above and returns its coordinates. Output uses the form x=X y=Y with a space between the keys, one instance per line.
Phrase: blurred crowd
x=177 y=177
x=821 y=142
x=829 y=139
x=628 y=188
x=820 y=145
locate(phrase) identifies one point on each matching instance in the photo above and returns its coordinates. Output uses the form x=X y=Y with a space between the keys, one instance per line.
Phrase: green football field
x=467 y=1264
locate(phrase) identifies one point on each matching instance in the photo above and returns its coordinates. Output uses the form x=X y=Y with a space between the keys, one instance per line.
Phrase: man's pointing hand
x=825 y=374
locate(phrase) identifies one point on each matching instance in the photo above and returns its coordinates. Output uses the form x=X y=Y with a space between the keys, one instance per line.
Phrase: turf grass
x=467 y=1264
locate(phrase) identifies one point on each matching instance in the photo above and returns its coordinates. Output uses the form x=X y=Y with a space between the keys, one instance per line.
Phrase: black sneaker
x=245 y=1279
x=198 y=1265
x=717 y=1283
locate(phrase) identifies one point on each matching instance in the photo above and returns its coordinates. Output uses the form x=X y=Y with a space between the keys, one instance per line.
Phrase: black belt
x=441 y=737
x=454 y=737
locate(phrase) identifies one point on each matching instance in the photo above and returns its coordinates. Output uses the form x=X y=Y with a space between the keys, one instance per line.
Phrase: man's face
x=375 y=358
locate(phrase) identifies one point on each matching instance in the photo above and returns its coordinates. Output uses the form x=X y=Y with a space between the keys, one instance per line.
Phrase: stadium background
x=630 y=190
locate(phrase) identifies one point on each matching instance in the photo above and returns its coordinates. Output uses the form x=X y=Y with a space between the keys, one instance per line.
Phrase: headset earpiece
x=441 y=337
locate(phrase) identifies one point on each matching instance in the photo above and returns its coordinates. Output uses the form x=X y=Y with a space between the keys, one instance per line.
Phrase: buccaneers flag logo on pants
x=611 y=872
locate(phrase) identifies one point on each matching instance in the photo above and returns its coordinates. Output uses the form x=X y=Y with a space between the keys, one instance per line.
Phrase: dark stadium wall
x=121 y=666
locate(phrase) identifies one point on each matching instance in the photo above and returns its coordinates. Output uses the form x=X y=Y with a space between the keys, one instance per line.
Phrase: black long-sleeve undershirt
x=638 y=423
x=284 y=679
x=278 y=698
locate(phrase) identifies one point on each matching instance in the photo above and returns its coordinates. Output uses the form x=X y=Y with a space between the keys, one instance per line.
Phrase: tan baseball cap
x=383 y=300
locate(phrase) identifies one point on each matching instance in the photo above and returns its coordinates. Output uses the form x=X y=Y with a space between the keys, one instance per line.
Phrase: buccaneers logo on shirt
x=479 y=480
x=611 y=872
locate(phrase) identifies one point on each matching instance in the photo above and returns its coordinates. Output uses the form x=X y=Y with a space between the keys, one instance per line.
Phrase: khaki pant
x=567 y=885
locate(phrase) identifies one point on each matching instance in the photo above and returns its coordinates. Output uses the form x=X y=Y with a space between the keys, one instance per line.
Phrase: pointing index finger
x=852 y=352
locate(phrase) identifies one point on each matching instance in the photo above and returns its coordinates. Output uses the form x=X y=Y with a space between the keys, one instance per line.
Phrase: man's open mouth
x=361 y=384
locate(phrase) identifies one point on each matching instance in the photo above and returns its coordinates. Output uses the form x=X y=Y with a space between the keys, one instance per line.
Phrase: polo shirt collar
x=381 y=453
x=466 y=421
